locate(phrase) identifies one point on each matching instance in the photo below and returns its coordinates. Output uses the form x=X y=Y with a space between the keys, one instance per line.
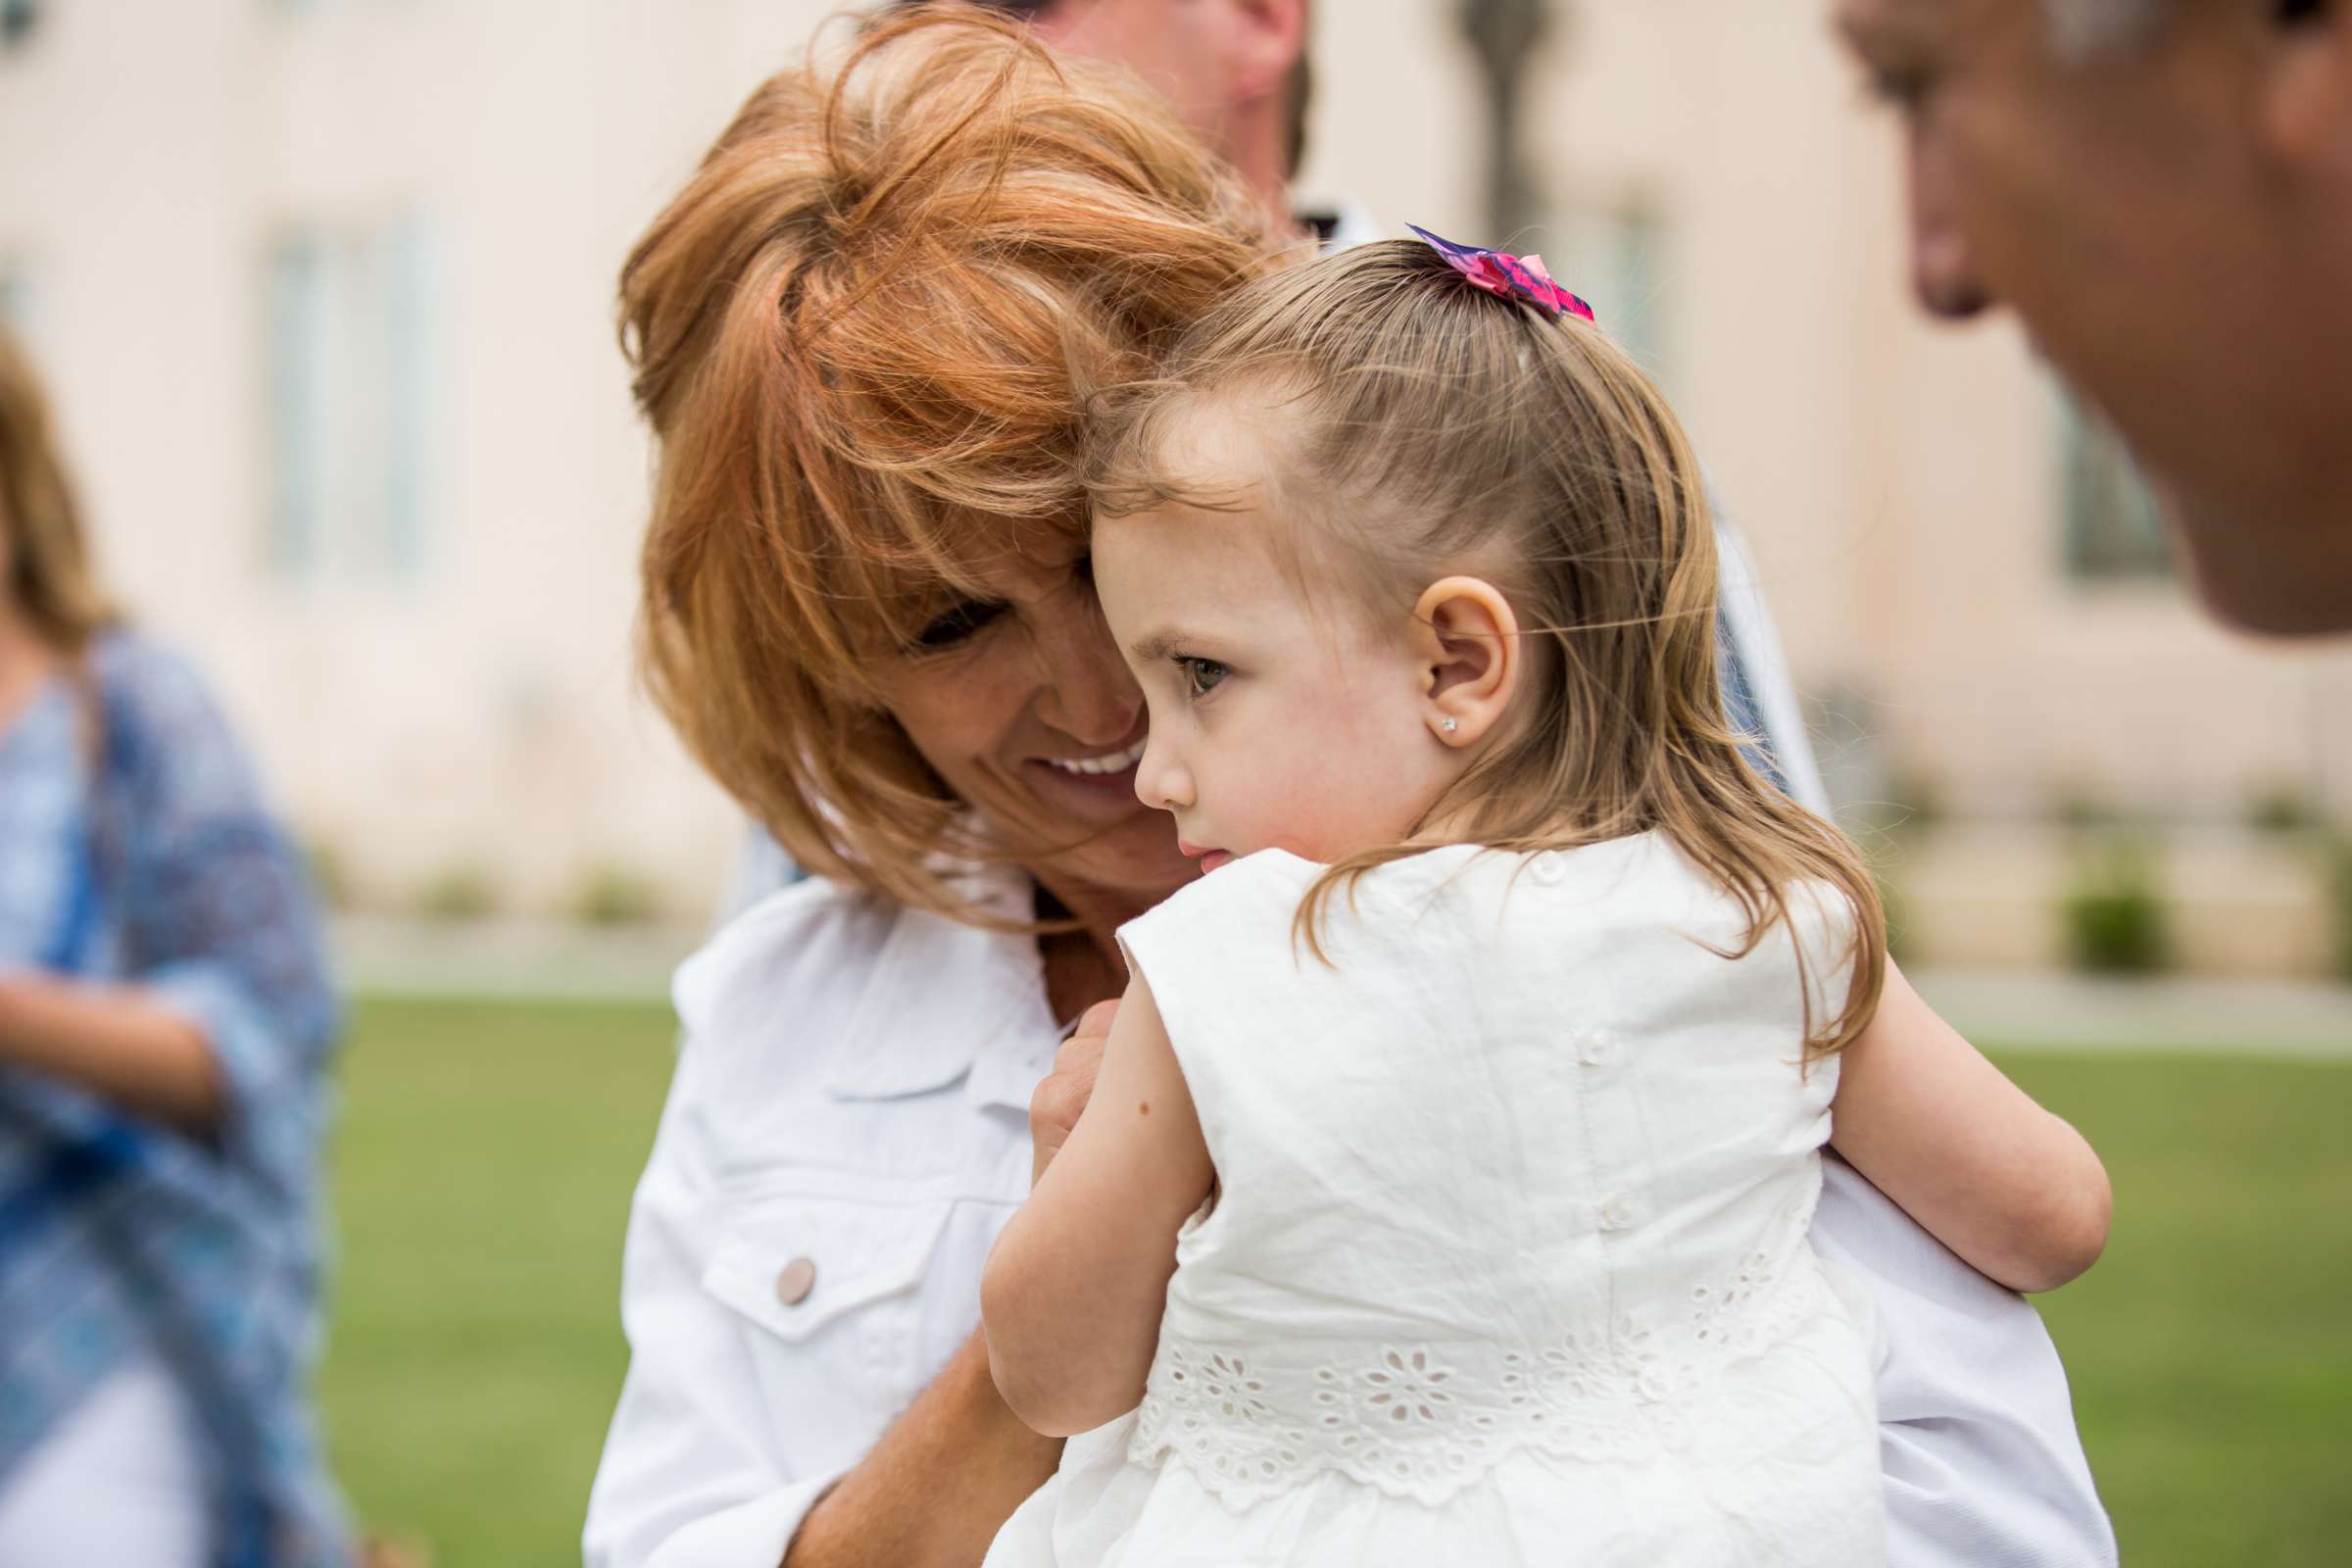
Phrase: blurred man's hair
x=1302 y=82
x=2082 y=30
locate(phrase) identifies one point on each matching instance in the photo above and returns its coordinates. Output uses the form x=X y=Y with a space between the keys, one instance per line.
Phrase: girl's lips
x=1209 y=860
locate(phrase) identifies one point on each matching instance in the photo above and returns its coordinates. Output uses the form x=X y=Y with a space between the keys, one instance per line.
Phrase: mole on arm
x=1144 y=1109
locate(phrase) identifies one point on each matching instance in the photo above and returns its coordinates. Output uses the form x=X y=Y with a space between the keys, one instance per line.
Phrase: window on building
x=1619 y=258
x=352 y=395
x=2113 y=528
x=16 y=296
x=19 y=20
x=299 y=417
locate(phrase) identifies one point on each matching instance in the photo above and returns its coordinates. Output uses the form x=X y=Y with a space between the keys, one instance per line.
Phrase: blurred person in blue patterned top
x=166 y=1025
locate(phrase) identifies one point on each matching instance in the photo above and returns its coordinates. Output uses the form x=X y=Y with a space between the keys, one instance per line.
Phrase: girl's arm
x=2013 y=1190
x=1075 y=1290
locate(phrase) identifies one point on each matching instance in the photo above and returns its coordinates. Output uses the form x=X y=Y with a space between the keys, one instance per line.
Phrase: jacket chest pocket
x=845 y=1287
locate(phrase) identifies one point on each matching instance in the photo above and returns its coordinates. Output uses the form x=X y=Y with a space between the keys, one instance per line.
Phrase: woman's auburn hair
x=864 y=335
x=51 y=579
x=1416 y=428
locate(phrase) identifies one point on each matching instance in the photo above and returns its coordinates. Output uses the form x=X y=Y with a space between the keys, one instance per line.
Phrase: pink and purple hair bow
x=1507 y=277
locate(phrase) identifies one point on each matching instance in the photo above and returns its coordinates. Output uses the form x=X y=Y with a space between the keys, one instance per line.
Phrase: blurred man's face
x=2176 y=262
x=1176 y=45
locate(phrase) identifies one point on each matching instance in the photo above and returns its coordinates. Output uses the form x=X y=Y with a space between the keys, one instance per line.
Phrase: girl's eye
x=1201 y=675
x=957 y=625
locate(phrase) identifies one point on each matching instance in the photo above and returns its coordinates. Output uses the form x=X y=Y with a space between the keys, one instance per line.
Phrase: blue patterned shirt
x=149 y=858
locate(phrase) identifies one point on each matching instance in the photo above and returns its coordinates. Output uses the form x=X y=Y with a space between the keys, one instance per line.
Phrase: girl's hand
x=1063 y=1092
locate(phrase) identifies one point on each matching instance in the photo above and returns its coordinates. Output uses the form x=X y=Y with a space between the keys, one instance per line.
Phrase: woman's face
x=1019 y=701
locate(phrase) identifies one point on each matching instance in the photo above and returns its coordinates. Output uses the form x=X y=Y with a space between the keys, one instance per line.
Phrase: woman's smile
x=1097 y=786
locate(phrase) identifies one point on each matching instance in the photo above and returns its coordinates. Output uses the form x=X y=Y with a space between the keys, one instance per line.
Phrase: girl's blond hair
x=863 y=334
x=51 y=580
x=1413 y=424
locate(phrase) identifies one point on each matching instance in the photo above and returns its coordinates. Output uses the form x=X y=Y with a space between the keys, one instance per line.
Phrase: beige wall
x=1896 y=478
x=479 y=712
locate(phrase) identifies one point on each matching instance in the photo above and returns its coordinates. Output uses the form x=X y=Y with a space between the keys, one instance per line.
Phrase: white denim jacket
x=847 y=1131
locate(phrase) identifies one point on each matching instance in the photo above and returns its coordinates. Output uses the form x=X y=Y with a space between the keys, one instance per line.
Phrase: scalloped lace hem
x=1422 y=1422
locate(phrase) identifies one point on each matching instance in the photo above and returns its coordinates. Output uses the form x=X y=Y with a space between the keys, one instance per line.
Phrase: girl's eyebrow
x=1159 y=645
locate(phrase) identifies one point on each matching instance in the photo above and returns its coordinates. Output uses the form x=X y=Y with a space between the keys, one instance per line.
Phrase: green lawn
x=482 y=1178
x=2211 y=1349
x=487 y=1153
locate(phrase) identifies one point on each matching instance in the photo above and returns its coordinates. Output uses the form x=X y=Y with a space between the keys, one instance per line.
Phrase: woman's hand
x=1063 y=1092
x=1078 y=1279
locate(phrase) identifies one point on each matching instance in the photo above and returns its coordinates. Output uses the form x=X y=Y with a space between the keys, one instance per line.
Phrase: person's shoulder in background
x=166 y=733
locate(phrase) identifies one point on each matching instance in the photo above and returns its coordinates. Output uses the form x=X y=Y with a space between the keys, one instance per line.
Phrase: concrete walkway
x=509 y=959
x=2026 y=1009
x=2008 y=1008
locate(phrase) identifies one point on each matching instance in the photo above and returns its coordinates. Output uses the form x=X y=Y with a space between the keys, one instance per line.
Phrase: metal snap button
x=795 y=1281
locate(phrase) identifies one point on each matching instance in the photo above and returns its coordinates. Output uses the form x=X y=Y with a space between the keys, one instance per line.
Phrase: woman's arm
x=224 y=1021
x=2014 y=1191
x=1072 y=1298
x=937 y=1486
x=117 y=1041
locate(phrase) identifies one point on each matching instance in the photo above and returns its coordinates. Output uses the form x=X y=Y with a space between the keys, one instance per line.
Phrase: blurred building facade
x=323 y=288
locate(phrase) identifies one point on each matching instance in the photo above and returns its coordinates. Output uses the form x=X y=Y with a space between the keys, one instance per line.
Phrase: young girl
x=1445 y=1193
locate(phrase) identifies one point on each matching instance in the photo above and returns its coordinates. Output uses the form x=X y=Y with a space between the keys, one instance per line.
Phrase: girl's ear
x=1467 y=641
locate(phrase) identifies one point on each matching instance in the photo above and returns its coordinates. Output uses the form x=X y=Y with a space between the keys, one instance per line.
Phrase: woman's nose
x=1944 y=268
x=1087 y=693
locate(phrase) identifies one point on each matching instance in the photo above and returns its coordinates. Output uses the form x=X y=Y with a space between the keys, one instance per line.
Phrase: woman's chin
x=1137 y=856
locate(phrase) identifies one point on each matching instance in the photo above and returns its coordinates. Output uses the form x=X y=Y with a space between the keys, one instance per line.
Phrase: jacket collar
x=945 y=1000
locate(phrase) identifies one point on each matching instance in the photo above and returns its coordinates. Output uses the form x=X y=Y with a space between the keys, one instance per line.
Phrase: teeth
x=1116 y=763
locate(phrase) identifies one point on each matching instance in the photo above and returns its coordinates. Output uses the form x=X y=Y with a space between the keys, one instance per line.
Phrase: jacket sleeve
x=1976 y=1436
x=691 y=1476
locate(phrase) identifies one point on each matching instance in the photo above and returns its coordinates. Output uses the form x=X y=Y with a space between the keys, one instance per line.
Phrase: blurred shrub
x=458 y=893
x=2084 y=808
x=2282 y=807
x=2340 y=901
x=2113 y=909
x=1897 y=910
x=1915 y=803
x=330 y=873
x=613 y=895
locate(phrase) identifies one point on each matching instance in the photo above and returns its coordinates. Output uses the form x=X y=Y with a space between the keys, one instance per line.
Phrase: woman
x=863 y=336
x=164 y=1027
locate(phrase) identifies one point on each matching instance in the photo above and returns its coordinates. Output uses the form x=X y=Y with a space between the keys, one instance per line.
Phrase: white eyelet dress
x=1509 y=1261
